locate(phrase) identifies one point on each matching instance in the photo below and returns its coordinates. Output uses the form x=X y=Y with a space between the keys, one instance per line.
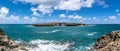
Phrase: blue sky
x=75 y=11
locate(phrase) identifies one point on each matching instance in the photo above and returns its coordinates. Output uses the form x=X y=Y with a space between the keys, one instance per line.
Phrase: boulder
x=6 y=44
x=108 y=42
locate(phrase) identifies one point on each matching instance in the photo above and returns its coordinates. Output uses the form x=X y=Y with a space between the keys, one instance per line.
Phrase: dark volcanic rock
x=6 y=44
x=108 y=42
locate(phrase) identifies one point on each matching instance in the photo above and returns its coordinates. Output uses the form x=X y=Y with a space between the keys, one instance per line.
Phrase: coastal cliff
x=108 y=42
x=6 y=44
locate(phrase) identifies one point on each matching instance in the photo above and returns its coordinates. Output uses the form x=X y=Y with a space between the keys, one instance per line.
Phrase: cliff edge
x=108 y=42
x=6 y=44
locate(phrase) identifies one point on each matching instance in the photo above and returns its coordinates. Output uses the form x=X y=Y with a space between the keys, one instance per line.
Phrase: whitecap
x=29 y=26
x=53 y=31
x=91 y=34
x=47 y=45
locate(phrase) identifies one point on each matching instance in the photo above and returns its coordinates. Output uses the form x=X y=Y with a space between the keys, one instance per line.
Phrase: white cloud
x=117 y=10
x=45 y=2
x=72 y=5
x=45 y=9
x=102 y=3
x=112 y=17
x=48 y=6
x=12 y=19
x=35 y=13
x=3 y=12
x=4 y=18
x=34 y=19
x=94 y=18
x=27 y=19
x=62 y=16
x=74 y=17
x=77 y=17
x=110 y=20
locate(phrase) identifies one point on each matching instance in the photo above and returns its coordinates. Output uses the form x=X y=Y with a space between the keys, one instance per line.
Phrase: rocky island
x=108 y=42
x=6 y=44
x=60 y=24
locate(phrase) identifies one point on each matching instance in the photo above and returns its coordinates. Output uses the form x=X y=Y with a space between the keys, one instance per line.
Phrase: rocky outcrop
x=108 y=42
x=6 y=44
x=60 y=24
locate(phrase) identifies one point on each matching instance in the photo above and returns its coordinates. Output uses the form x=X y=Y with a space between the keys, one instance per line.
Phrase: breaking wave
x=53 y=31
x=46 y=45
x=92 y=34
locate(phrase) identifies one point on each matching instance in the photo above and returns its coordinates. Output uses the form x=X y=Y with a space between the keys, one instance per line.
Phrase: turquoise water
x=58 y=38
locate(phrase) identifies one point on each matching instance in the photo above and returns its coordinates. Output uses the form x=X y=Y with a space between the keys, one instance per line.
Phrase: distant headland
x=60 y=24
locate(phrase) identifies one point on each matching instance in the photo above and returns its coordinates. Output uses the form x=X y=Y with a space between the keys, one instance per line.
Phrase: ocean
x=71 y=38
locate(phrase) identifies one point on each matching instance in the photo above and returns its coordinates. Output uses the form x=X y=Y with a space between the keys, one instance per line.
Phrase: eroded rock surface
x=6 y=44
x=108 y=42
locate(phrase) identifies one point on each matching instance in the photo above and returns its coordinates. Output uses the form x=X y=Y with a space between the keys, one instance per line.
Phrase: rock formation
x=60 y=24
x=6 y=44
x=108 y=42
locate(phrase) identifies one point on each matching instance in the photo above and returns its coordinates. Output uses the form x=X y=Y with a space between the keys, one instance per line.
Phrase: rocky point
x=6 y=44
x=108 y=42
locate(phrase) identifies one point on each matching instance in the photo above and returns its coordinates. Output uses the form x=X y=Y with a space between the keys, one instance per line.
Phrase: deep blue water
x=81 y=37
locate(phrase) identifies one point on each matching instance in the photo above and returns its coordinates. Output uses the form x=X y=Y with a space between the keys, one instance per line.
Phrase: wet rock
x=108 y=42
x=6 y=44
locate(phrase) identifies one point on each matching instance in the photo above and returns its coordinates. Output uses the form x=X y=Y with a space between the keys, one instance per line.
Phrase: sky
x=73 y=11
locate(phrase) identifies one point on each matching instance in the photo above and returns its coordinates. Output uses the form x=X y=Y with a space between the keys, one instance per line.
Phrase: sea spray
x=46 y=45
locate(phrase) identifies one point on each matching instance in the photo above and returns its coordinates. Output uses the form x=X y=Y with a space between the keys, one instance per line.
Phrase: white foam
x=91 y=34
x=29 y=26
x=53 y=31
x=92 y=25
x=19 y=41
x=82 y=48
x=46 y=45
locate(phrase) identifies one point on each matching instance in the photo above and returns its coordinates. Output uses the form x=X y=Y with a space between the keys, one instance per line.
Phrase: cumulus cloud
x=48 y=6
x=62 y=16
x=112 y=17
x=74 y=17
x=77 y=17
x=34 y=19
x=3 y=12
x=27 y=19
x=12 y=19
x=4 y=18
x=34 y=10
x=74 y=4
x=45 y=9
x=45 y=2
x=102 y=3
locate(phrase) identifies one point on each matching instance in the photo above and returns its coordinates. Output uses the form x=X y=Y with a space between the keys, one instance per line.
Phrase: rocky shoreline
x=6 y=44
x=60 y=24
x=108 y=42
